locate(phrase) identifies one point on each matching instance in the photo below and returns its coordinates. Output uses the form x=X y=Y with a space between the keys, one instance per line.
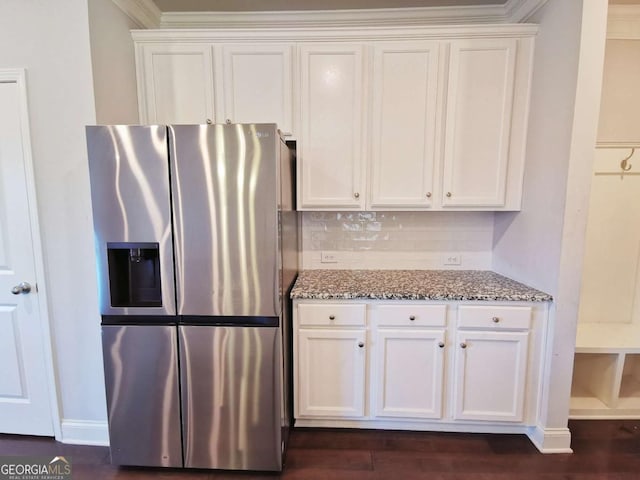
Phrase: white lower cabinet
x=418 y=365
x=491 y=359
x=408 y=366
x=490 y=375
x=330 y=360
x=331 y=372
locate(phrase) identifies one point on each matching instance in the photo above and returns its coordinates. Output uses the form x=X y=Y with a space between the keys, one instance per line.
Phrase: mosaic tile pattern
x=413 y=285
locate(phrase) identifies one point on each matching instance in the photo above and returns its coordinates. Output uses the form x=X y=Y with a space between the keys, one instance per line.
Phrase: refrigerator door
x=129 y=171
x=225 y=198
x=141 y=377
x=231 y=397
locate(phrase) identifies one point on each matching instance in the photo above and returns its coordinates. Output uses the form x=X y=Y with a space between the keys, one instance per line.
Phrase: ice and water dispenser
x=134 y=274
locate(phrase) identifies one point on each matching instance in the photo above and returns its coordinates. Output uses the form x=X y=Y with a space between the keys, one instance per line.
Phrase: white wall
x=543 y=244
x=51 y=40
x=399 y=240
x=112 y=58
x=54 y=43
x=620 y=112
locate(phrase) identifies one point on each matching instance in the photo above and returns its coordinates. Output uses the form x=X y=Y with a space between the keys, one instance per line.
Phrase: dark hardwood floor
x=602 y=450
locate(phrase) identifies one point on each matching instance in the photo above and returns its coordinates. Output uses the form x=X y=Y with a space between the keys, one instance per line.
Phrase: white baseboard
x=420 y=426
x=551 y=440
x=85 y=432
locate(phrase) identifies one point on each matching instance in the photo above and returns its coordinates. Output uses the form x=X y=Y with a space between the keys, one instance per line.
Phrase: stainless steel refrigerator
x=196 y=240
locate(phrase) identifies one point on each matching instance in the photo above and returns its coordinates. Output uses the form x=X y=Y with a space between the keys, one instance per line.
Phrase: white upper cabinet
x=479 y=112
x=175 y=83
x=258 y=84
x=404 y=115
x=395 y=119
x=331 y=107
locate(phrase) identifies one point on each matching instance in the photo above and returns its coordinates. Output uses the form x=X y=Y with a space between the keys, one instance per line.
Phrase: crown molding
x=623 y=22
x=360 y=33
x=144 y=13
x=520 y=11
x=513 y=11
x=332 y=18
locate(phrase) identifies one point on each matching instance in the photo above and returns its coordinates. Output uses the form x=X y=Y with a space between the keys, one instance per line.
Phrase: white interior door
x=24 y=392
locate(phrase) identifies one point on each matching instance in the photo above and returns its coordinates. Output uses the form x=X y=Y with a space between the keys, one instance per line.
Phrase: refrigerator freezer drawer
x=141 y=376
x=231 y=397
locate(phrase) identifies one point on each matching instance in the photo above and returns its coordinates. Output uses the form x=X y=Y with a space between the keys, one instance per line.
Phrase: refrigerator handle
x=277 y=292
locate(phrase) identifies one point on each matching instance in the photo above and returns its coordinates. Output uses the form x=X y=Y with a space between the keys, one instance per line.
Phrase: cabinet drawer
x=331 y=314
x=492 y=316
x=407 y=315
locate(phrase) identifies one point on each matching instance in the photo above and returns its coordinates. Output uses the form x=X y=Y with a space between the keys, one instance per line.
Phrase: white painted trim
x=417 y=425
x=144 y=13
x=377 y=17
x=18 y=75
x=551 y=440
x=85 y=432
x=513 y=11
x=623 y=22
x=518 y=11
x=618 y=145
x=604 y=416
x=359 y=33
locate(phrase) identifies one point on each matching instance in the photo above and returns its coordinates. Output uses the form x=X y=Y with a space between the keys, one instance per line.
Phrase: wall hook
x=624 y=164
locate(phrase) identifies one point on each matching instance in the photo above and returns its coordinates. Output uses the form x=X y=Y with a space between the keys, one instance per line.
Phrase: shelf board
x=608 y=338
x=588 y=403
x=583 y=406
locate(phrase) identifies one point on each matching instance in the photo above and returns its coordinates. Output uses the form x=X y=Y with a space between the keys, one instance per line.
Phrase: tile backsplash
x=407 y=240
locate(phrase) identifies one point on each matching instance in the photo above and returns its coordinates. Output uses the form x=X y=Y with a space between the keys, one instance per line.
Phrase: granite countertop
x=413 y=285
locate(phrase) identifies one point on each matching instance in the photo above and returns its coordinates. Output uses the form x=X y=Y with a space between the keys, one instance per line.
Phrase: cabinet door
x=257 y=84
x=478 y=122
x=405 y=78
x=330 y=374
x=490 y=375
x=175 y=84
x=330 y=149
x=408 y=373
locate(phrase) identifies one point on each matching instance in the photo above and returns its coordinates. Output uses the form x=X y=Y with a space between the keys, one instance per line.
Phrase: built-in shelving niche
x=606 y=385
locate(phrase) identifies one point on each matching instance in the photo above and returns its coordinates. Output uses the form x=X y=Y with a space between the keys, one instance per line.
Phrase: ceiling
x=275 y=5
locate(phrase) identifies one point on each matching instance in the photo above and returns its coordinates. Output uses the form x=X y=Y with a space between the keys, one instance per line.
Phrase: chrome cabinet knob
x=356 y=195
x=412 y=317
x=361 y=344
x=463 y=345
x=441 y=344
x=428 y=194
x=209 y=122
x=23 y=287
x=495 y=319
x=332 y=317
x=448 y=194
